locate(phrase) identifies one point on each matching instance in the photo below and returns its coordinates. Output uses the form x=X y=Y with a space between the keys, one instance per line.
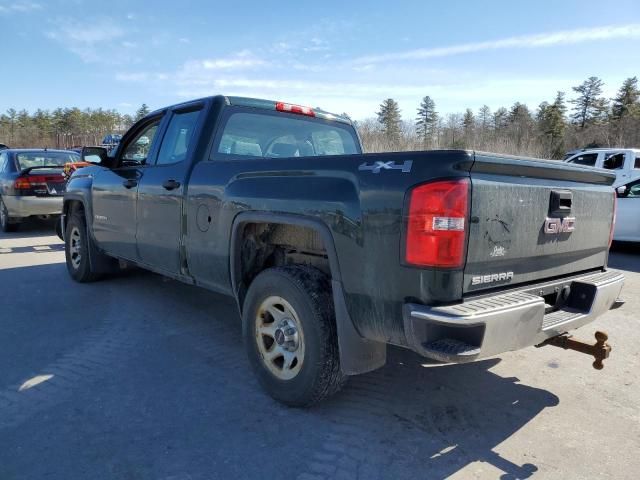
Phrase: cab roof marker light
x=299 y=109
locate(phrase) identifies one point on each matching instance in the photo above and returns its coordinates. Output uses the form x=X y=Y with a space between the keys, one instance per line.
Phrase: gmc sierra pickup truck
x=332 y=254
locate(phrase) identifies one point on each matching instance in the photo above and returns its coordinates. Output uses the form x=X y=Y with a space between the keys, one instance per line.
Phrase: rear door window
x=587 y=159
x=175 y=143
x=252 y=133
x=613 y=161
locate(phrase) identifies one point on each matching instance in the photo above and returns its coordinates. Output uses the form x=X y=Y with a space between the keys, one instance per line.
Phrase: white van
x=624 y=161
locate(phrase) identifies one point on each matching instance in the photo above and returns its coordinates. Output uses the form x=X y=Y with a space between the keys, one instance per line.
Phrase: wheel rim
x=279 y=338
x=75 y=242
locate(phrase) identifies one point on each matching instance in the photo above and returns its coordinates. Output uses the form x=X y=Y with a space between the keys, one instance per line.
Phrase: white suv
x=624 y=161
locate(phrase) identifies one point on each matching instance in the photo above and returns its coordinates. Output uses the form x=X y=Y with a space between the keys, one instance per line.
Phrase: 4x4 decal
x=376 y=167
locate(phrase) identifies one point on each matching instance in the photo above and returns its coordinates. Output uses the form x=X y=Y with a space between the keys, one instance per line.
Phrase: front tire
x=290 y=335
x=76 y=248
x=5 y=224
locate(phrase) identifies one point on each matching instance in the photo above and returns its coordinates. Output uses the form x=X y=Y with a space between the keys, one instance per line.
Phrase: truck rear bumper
x=25 y=206
x=491 y=325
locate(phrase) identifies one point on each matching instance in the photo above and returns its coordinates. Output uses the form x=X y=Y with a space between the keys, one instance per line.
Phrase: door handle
x=170 y=185
x=130 y=183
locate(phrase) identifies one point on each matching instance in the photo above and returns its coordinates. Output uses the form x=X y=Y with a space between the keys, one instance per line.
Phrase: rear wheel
x=6 y=224
x=290 y=334
x=76 y=247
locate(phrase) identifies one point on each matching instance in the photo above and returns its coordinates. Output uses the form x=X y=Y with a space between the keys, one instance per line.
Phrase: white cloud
x=104 y=41
x=19 y=7
x=564 y=37
x=133 y=77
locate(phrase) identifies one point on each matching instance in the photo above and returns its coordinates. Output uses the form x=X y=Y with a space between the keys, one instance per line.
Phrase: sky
x=343 y=56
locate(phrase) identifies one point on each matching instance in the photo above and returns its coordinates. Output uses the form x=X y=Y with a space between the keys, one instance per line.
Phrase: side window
x=3 y=161
x=175 y=143
x=614 y=162
x=637 y=163
x=588 y=159
x=137 y=150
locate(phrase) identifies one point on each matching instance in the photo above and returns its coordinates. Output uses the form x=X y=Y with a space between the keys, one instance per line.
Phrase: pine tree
x=389 y=117
x=627 y=99
x=500 y=119
x=552 y=124
x=590 y=106
x=484 y=118
x=468 y=127
x=142 y=112
x=427 y=121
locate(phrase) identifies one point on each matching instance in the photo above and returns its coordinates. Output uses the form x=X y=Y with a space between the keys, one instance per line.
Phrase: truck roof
x=264 y=104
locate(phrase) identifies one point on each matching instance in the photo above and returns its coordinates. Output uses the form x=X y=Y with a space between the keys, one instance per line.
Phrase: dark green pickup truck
x=333 y=254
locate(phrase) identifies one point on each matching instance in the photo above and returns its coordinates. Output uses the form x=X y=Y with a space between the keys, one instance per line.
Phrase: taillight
x=437 y=224
x=36 y=182
x=613 y=222
x=288 y=107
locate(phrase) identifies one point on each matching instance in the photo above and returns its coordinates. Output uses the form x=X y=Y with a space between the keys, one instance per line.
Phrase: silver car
x=627 y=227
x=31 y=183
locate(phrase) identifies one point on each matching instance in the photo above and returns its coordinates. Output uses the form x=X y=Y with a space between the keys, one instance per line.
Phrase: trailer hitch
x=599 y=350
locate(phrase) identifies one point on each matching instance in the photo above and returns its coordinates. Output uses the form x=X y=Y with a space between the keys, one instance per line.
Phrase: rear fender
x=357 y=354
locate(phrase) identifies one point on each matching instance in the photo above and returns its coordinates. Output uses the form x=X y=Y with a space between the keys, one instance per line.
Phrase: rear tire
x=76 y=248
x=6 y=225
x=289 y=331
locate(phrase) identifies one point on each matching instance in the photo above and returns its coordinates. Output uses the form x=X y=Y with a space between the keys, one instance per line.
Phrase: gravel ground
x=140 y=377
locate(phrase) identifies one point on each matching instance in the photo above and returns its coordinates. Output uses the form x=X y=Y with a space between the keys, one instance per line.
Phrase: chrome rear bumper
x=510 y=321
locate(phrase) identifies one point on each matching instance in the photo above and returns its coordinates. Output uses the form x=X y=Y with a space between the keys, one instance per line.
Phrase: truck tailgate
x=533 y=220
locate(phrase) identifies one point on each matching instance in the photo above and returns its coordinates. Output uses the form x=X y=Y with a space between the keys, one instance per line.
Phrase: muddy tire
x=76 y=249
x=289 y=331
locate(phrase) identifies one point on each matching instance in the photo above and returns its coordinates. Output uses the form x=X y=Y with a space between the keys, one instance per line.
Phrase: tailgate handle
x=561 y=201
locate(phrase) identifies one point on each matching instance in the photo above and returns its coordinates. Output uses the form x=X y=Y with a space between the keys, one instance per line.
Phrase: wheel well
x=73 y=206
x=263 y=245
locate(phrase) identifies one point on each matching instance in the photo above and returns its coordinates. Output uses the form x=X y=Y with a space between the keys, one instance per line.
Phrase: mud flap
x=357 y=354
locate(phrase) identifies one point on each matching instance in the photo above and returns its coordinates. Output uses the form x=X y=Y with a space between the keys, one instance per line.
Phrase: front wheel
x=289 y=331
x=76 y=248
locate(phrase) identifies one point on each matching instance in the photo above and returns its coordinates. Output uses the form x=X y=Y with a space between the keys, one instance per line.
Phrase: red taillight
x=613 y=222
x=436 y=227
x=288 y=107
x=29 y=182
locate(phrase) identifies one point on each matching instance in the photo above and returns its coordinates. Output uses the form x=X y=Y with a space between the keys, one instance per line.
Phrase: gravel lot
x=140 y=377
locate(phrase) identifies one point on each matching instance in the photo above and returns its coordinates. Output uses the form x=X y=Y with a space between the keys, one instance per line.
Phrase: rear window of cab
x=277 y=135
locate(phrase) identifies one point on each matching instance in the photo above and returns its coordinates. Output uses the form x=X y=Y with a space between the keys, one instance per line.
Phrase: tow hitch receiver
x=599 y=350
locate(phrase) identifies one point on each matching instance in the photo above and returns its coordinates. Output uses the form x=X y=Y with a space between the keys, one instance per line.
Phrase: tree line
x=63 y=127
x=589 y=119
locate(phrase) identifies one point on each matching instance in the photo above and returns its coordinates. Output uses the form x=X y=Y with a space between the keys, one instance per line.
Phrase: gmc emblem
x=556 y=226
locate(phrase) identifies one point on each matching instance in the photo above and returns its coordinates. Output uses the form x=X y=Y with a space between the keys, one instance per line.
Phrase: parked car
x=3 y=146
x=627 y=227
x=332 y=254
x=625 y=162
x=111 y=141
x=31 y=183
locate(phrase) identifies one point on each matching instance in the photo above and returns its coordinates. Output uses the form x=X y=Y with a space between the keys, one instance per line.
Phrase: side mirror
x=622 y=190
x=97 y=155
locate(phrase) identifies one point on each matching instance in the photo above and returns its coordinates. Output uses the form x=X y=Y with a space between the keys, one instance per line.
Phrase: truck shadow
x=182 y=377
x=439 y=418
x=408 y=419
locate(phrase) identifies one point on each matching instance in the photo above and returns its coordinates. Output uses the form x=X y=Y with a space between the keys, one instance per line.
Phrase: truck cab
x=624 y=162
